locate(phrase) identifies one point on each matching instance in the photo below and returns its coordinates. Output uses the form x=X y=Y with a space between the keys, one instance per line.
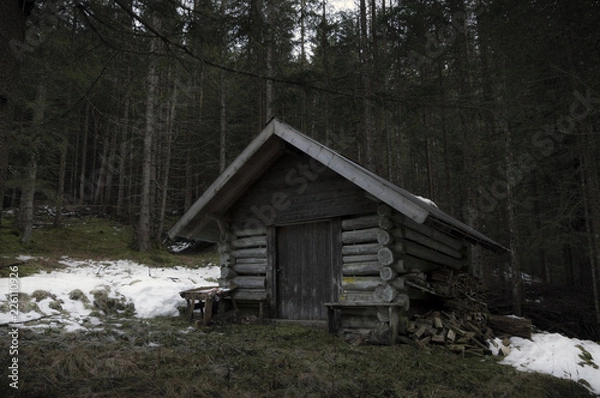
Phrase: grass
x=165 y=358
x=84 y=238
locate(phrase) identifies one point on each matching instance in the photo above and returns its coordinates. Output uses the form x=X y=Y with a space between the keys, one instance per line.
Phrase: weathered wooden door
x=305 y=272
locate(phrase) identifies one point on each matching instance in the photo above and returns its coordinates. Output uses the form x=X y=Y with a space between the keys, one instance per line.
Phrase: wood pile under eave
x=466 y=333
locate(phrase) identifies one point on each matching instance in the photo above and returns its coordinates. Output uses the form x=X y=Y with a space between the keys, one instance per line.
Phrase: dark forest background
x=490 y=108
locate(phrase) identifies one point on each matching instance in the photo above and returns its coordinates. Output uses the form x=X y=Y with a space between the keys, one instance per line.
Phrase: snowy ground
x=63 y=299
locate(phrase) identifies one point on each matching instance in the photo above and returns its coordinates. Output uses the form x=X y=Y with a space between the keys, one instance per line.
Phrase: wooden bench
x=393 y=308
x=205 y=295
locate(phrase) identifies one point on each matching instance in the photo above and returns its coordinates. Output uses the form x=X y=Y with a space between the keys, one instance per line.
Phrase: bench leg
x=394 y=319
x=207 y=311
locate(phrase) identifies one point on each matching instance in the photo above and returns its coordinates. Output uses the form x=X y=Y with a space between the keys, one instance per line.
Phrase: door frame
x=335 y=225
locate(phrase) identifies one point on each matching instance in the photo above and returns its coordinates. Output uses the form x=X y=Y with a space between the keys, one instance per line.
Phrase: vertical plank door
x=304 y=274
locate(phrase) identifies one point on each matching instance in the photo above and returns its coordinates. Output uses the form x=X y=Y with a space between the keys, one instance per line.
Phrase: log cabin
x=306 y=234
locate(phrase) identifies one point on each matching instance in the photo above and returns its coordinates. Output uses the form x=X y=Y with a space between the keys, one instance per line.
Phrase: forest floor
x=166 y=356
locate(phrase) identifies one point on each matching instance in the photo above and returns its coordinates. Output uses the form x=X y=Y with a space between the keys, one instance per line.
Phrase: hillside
x=99 y=348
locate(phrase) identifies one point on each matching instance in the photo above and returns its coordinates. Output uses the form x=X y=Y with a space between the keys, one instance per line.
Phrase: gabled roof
x=266 y=148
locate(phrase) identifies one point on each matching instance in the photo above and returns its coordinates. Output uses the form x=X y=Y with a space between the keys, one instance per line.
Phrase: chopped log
x=384 y=237
x=250 y=268
x=253 y=252
x=250 y=295
x=360 y=222
x=359 y=258
x=360 y=283
x=438 y=338
x=385 y=223
x=250 y=282
x=450 y=336
x=250 y=241
x=387 y=273
x=362 y=269
x=386 y=256
x=519 y=327
x=361 y=235
x=365 y=248
x=414 y=236
x=385 y=293
x=227 y=273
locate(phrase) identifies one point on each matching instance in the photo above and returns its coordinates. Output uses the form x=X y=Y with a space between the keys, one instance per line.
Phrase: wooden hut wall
x=244 y=263
x=296 y=189
x=388 y=258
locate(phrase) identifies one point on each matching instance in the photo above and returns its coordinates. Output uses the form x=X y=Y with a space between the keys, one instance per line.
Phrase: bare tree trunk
x=365 y=56
x=123 y=150
x=169 y=133
x=60 y=192
x=12 y=32
x=269 y=63
x=82 y=178
x=591 y=202
x=28 y=190
x=223 y=124
x=144 y=233
x=513 y=229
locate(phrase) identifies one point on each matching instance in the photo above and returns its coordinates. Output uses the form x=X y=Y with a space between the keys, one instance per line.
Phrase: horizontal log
x=250 y=282
x=250 y=295
x=253 y=252
x=414 y=236
x=388 y=255
x=450 y=241
x=399 y=267
x=251 y=260
x=387 y=292
x=359 y=321
x=228 y=273
x=385 y=223
x=356 y=296
x=360 y=282
x=225 y=259
x=360 y=235
x=368 y=268
x=223 y=247
x=359 y=258
x=411 y=264
x=360 y=222
x=250 y=241
x=387 y=273
x=384 y=237
x=519 y=327
x=250 y=268
x=364 y=248
x=242 y=232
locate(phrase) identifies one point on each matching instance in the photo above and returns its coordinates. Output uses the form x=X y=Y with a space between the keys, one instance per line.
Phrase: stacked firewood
x=464 y=324
x=467 y=332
